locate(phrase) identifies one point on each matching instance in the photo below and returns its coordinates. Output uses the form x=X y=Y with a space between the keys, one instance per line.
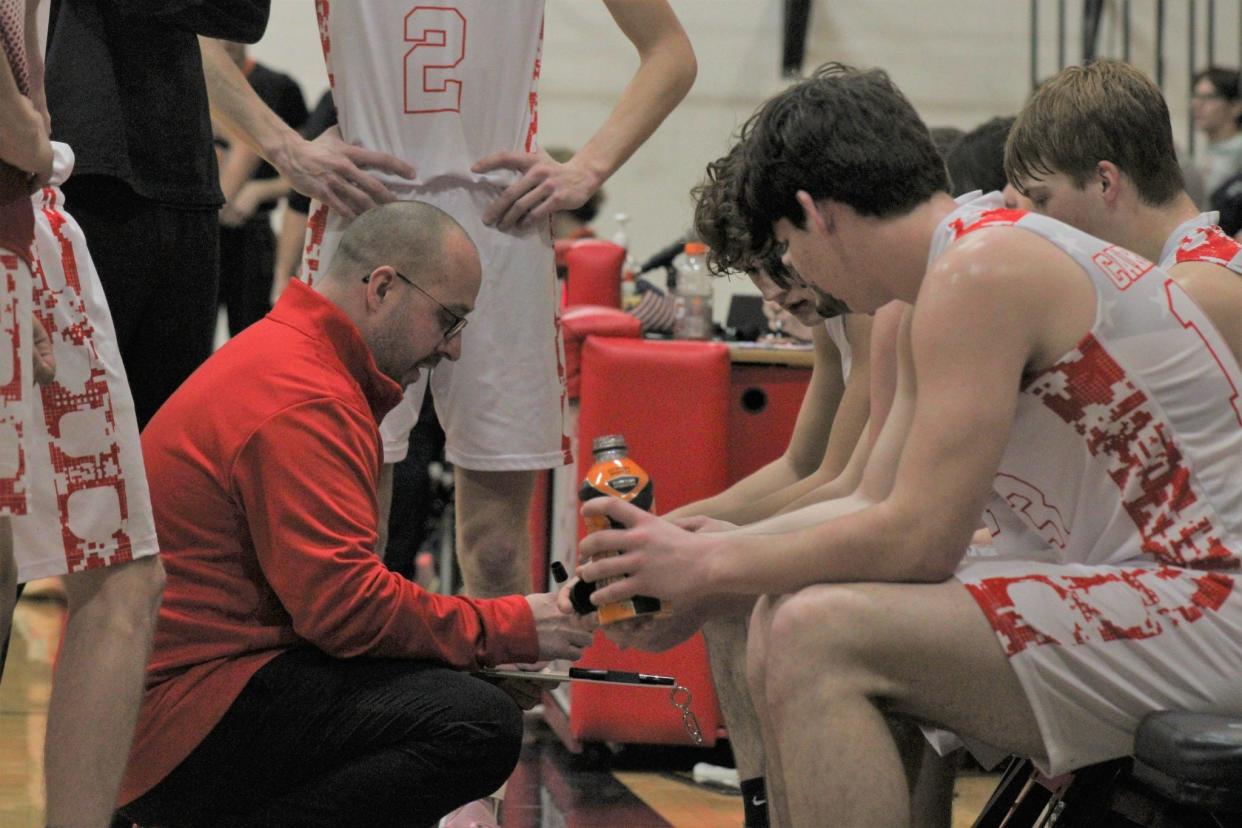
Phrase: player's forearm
x=733 y=502
x=804 y=517
x=861 y=543
x=34 y=58
x=665 y=74
x=10 y=95
x=824 y=485
x=808 y=491
x=20 y=125
x=240 y=109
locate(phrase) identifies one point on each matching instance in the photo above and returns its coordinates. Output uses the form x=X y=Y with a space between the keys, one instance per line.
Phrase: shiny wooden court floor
x=636 y=788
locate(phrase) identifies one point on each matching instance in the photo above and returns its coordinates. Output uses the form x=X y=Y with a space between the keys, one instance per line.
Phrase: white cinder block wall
x=960 y=62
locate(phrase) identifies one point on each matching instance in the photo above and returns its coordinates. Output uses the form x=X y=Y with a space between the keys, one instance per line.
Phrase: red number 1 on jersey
x=439 y=38
x=1178 y=297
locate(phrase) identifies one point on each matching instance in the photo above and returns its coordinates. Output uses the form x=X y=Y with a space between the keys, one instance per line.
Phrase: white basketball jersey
x=1129 y=447
x=439 y=84
x=1200 y=239
x=836 y=332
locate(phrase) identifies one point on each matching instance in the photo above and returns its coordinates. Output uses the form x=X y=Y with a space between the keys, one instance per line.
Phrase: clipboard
x=581 y=674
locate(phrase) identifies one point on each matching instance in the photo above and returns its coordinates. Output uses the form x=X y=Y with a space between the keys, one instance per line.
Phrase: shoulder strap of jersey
x=993 y=217
x=1210 y=244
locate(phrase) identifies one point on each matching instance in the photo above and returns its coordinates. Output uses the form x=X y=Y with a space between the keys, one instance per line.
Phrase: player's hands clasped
x=332 y=171
x=545 y=186
x=657 y=558
x=561 y=634
x=702 y=523
x=655 y=634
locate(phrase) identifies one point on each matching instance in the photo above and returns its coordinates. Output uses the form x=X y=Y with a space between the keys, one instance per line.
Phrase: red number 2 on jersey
x=439 y=38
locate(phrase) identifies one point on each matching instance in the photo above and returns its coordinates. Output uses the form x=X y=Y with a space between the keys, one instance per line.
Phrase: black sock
x=755 y=802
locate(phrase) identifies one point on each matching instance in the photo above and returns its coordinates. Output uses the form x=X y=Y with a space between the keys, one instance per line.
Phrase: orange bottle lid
x=695 y=248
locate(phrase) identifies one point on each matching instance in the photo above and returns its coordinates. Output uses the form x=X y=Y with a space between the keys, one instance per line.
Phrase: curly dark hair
x=844 y=134
x=717 y=220
x=719 y=223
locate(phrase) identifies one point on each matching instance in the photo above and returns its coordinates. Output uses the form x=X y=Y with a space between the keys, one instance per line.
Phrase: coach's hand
x=544 y=187
x=561 y=634
x=333 y=172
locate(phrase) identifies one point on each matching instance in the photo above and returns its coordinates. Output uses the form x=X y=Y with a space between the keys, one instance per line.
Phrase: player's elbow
x=681 y=67
x=930 y=549
x=934 y=568
x=689 y=69
x=937 y=556
x=802 y=463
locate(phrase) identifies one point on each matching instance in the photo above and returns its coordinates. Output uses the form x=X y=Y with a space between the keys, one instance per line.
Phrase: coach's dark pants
x=317 y=741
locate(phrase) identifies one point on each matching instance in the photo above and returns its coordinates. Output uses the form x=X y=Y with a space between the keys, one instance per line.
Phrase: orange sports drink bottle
x=616 y=475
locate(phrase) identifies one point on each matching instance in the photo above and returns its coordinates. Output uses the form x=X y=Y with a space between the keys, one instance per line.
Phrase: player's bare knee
x=819 y=635
x=493 y=557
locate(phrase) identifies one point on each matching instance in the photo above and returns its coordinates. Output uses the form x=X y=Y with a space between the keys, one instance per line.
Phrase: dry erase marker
x=580 y=595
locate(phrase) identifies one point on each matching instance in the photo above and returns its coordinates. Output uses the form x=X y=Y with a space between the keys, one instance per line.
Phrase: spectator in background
x=977 y=161
x=125 y=89
x=127 y=86
x=1216 y=106
x=945 y=138
x=252 y=189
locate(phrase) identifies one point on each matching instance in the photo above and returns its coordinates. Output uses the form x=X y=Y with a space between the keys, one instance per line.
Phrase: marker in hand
x=580 y=594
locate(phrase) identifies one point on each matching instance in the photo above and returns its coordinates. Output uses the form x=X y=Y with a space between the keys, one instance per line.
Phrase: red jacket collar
x=303 y=309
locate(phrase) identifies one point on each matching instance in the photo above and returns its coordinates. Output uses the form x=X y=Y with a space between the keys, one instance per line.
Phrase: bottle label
x=624 y=479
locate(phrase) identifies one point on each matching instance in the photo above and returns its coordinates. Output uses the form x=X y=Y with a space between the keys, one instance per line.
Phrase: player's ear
x=1108 y=180
x=814 y=214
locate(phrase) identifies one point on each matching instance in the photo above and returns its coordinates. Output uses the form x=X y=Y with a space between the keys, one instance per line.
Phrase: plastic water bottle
x=693 y=296
x=629 y=269
x=615 y=474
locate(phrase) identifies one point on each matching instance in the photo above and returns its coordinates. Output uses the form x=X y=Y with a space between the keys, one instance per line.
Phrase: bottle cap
x=608 y=442
x=695 y=248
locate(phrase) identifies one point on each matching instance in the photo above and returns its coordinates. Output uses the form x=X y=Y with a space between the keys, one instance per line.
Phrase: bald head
x=405 y=325
x=412 y=236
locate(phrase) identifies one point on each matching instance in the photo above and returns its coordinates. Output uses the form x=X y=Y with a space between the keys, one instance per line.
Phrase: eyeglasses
x=455 y=322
